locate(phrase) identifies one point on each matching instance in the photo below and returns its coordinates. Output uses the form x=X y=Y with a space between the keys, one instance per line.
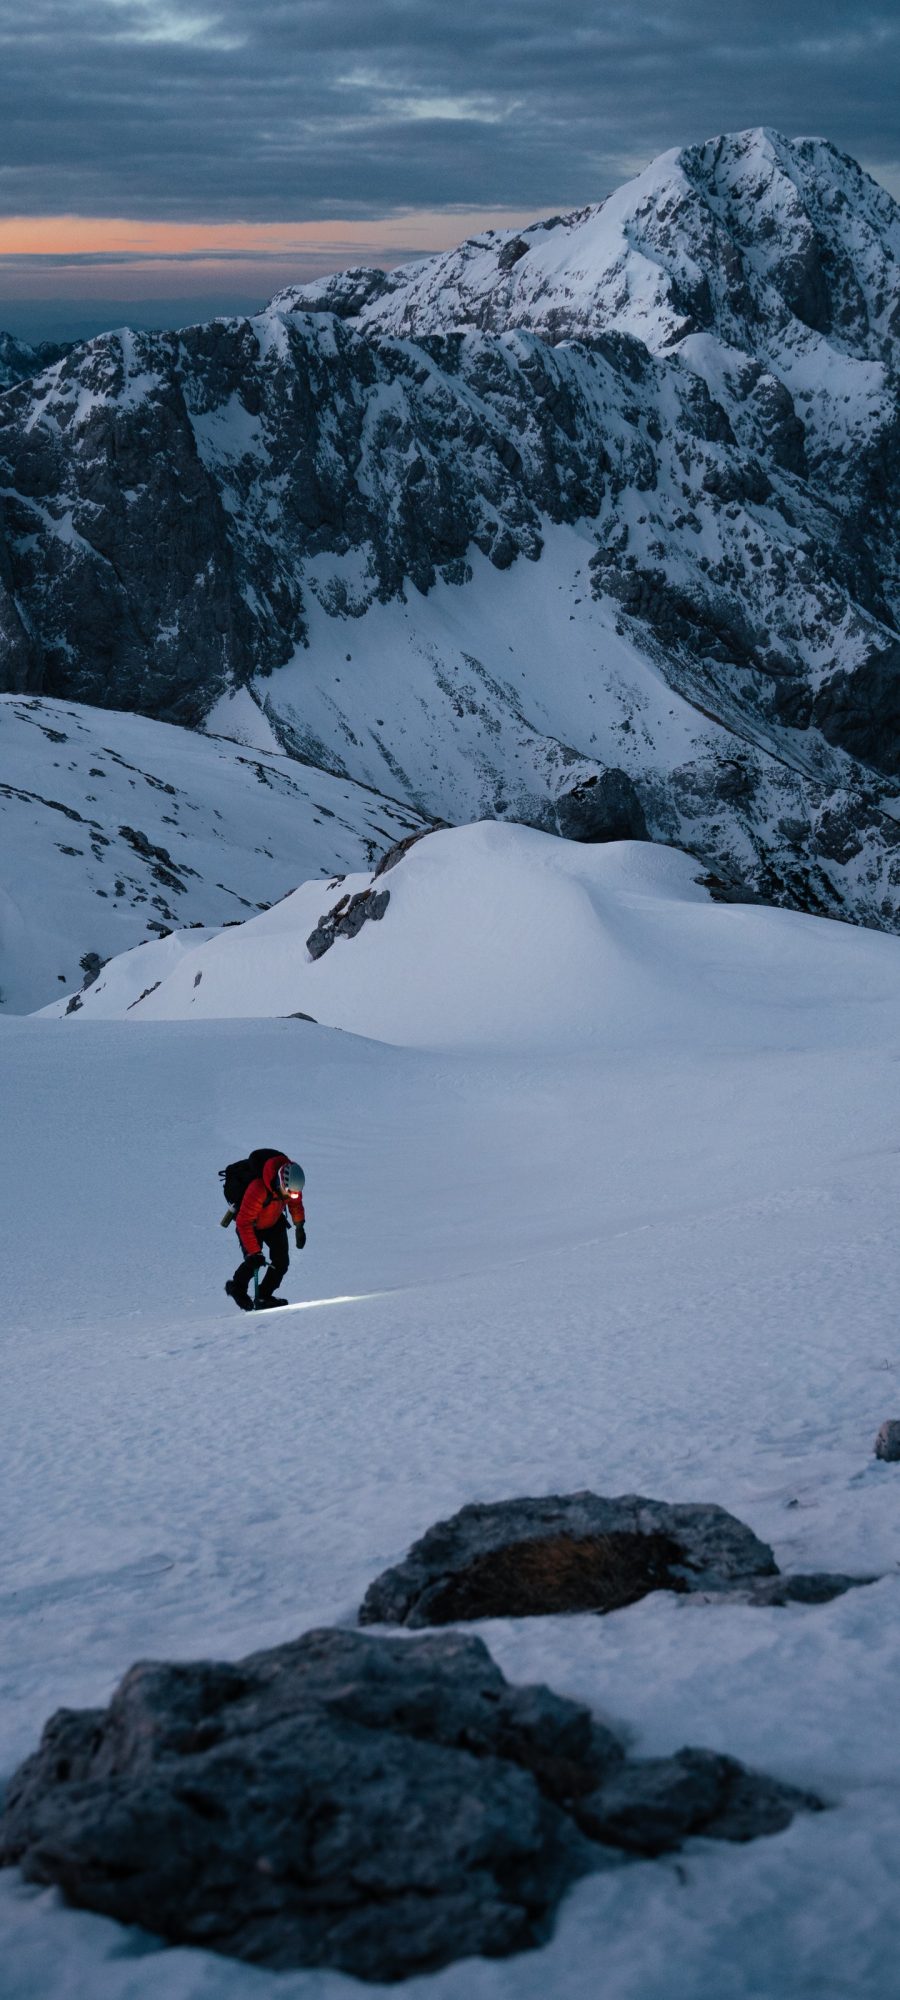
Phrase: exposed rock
x=887 y=1443
x=602 y=808
x=818 y=1588
x=402 y=847
x=91 y=965
x=379 y=1805
x=347 y=918
x=860 y=709
x=511 y=252
x=581 y=1552
x=573 y=1552
x=338 y=1801
x=19 y=360
x=651 y=1806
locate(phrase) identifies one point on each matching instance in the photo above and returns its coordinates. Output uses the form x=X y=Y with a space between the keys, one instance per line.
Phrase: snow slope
x=497 y=697
x=503 y=937
x=113 y=827
x=654 y=1251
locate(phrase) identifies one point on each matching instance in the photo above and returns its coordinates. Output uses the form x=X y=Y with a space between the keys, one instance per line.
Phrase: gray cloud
x=223 y=110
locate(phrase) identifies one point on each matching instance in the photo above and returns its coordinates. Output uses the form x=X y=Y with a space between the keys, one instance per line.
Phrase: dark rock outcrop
x=91 y=965
x=346 y=919
x=401 y=848
x=602 y=808
x=653 y=1804
x=19 y=359
x=581 y=1552
x=379 y=1805
x=887 y=1443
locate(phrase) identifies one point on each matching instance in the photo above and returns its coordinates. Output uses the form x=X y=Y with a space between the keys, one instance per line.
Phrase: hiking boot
x=262 y=1305
x=241 y=1298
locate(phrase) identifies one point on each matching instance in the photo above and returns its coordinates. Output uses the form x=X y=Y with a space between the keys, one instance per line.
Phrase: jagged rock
x=378 y=1805
x=333 y=1802
x=651 y=1806
x=860 y=710
x=602 y=808
x=19 y=360
x=91 y=965
x=887 y=1443
x=402 y=847
x=512 y=250
x=572 y=1552
x=347 y=918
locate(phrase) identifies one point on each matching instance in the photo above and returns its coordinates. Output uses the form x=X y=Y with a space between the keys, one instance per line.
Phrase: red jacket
x=262 y=1205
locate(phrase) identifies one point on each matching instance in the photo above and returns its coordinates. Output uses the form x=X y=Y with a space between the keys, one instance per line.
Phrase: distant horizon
x=61 y=312
x=40 y=296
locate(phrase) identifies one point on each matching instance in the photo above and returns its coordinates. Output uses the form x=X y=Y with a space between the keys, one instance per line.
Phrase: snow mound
x=498 y=936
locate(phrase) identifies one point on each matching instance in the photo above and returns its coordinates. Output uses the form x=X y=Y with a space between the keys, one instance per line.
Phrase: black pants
x=275 y=1240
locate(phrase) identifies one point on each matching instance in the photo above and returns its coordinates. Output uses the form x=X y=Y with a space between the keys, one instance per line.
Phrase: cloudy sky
x=164 y=159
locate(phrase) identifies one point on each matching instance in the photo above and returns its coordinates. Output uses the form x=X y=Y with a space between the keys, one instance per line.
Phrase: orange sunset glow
x=78 y=235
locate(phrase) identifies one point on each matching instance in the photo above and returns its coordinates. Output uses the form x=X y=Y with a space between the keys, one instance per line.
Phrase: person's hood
x=270 y=1171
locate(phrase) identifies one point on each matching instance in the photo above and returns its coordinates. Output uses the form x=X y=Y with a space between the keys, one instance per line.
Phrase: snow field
x=659 y=1256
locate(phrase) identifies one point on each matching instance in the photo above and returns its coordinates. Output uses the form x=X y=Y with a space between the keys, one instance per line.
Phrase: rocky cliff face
x=770 y=271
x=19 y=360
x=663 y=432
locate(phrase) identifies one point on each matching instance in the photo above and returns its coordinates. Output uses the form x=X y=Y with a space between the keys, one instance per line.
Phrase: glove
x=256 y=1262
x=300 y=1236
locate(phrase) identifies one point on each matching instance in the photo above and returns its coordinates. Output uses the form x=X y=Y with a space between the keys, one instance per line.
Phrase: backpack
x=236 y=1178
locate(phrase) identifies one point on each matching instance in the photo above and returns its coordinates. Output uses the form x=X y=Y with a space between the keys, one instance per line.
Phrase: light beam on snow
x=346 y=1299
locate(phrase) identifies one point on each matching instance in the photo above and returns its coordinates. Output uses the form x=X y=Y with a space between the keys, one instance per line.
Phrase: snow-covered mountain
x=592 y=526
x=115 y=828
x=19 y=360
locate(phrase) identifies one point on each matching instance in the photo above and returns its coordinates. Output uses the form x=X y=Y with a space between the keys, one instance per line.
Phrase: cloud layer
x=300 y=110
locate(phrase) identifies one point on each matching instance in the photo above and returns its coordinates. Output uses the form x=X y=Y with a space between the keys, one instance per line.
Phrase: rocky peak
x=19 y=361
x=747 y=231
